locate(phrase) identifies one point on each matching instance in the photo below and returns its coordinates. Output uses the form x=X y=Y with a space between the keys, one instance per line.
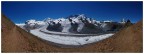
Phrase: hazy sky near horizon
x=19 y=12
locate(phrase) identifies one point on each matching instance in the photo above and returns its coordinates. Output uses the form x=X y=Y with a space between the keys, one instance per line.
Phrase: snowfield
x=69 y=40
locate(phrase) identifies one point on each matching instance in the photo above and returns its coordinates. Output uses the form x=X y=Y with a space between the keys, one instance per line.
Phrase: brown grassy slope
x=14 y=39
x=129 y=39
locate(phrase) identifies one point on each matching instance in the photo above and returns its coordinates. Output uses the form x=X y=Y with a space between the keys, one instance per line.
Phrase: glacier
x=69 y=40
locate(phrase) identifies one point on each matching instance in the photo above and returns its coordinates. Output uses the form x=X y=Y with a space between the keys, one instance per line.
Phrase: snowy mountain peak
x=30 y=21
x=77 y=16
x=47 y=19
x=82 y=16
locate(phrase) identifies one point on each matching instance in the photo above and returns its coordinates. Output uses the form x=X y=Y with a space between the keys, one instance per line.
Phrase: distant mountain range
x=75 y=24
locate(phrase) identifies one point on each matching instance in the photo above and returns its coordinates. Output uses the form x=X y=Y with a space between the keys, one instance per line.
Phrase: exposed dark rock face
x=55 y=27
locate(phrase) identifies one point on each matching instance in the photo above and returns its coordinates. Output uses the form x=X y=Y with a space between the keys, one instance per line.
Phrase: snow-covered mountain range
x=72 y=30
x=74 y=24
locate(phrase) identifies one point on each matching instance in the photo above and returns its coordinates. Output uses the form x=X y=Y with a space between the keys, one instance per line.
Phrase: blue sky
x=19 y=12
